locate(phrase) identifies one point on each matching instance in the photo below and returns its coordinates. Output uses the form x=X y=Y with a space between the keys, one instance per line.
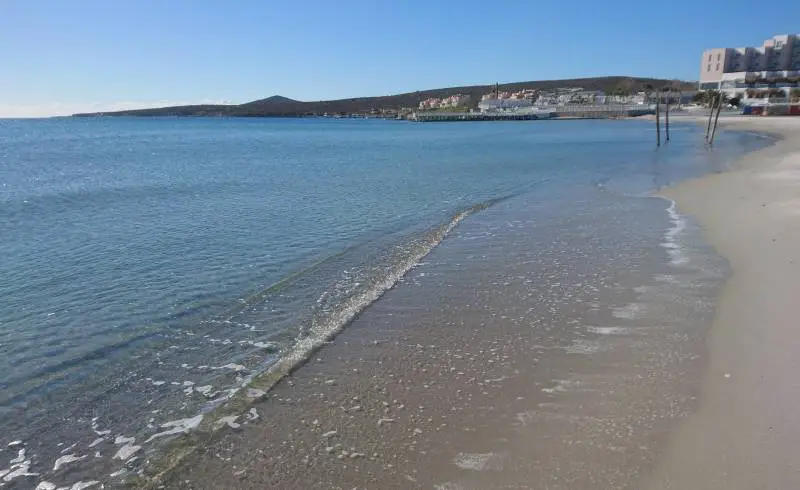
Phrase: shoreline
x=585 y=399
x=398 y=404
x=376 y=408
x=562 y=345
x=745 y=431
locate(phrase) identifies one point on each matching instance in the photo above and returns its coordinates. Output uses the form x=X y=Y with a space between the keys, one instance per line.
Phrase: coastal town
x=498 y=100
x=498 y=104
x=534 y=104
x=761 y=80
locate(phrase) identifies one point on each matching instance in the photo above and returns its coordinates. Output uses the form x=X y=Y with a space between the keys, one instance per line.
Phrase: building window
x=717 y=66
x=709 y=58
x=708 y=68
x=719 y=56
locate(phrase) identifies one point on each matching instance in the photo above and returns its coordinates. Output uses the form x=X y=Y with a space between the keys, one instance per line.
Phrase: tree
x=708 y=97
x=705 y=98
x=621 y=91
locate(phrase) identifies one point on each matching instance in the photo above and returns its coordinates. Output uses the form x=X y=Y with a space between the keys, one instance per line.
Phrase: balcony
x=774 y=74
x=728 y=84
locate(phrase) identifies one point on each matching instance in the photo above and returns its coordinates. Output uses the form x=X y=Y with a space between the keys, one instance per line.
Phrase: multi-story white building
x=775 y=65
x=492 y=105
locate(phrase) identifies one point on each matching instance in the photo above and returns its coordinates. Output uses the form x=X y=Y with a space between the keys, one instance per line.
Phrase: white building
x=775 y=65
x=457 y=100
x=496 y=105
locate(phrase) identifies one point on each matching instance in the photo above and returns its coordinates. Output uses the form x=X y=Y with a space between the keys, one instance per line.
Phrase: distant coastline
x=389 y=105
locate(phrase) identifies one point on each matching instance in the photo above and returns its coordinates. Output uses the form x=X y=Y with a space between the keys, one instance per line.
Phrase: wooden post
x=658 y=118
x=716 y=119
x=710 y=115
x=669 y=94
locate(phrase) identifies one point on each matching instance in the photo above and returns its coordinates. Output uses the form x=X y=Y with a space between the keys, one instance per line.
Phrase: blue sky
x=59 y=56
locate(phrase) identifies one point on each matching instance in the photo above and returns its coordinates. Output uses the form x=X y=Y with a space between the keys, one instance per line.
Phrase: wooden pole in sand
x=716 y=119
x=658 y=118
x=666 y=116
x=710 y=115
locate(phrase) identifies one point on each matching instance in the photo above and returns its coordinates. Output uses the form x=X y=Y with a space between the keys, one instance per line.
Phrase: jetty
x=477 y=116
x=577 y=111
x=601 y=111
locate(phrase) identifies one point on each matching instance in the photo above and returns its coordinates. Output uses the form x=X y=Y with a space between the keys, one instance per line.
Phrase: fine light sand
x=745 y=433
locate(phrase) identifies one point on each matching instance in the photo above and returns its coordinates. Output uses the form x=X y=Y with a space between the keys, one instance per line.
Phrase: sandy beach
x=648 y=395
x=746 y=432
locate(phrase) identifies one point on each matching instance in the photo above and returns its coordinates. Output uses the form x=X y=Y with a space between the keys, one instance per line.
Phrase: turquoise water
x=150 y=267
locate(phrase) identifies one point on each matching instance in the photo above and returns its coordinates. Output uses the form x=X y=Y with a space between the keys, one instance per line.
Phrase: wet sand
x=530 y=367
x=746 y=432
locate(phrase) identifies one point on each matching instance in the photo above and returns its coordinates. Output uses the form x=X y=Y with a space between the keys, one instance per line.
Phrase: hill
x=277 y=106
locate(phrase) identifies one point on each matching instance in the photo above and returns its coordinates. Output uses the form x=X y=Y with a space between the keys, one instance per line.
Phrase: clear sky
x=63 y=56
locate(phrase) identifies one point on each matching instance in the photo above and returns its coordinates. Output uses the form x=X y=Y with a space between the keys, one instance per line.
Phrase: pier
x=587 y=111
x=478 y=116
x=600 y=111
